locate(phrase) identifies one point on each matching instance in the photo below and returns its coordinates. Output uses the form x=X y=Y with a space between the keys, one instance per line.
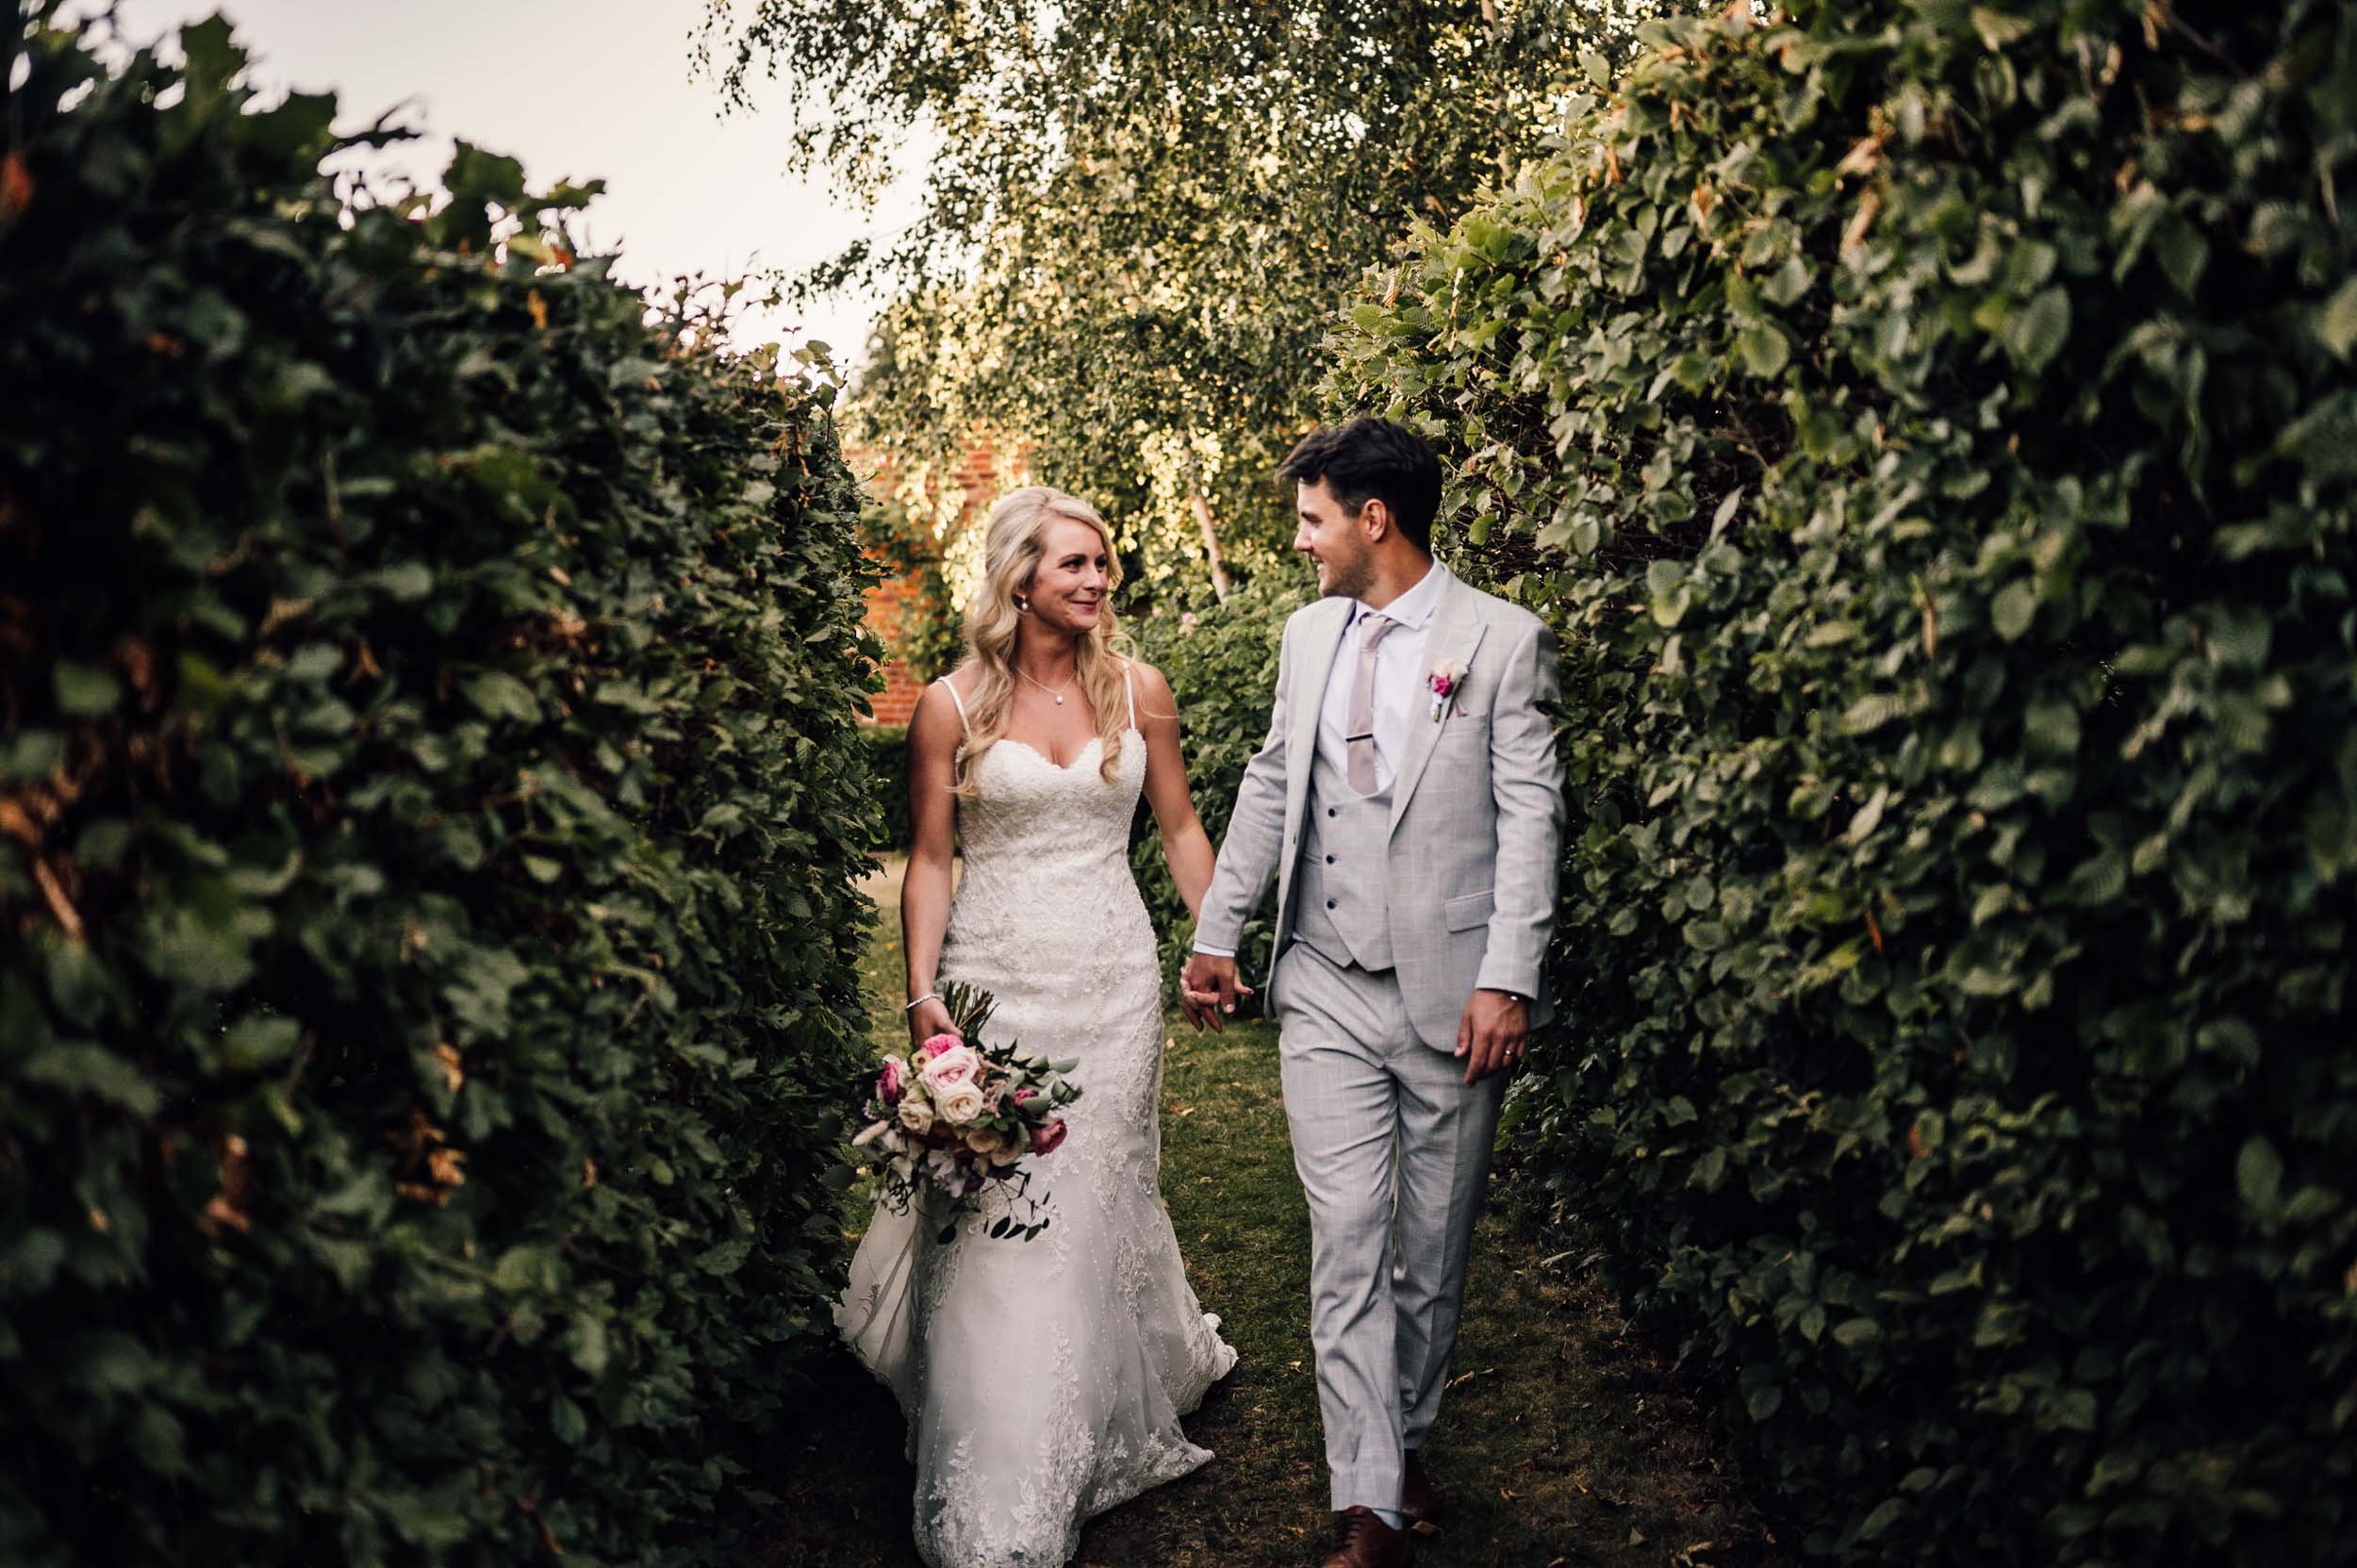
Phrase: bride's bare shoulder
x=940 y=711
x=1152 y=689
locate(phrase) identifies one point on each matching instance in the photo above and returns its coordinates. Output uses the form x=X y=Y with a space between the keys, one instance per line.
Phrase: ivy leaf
x=1764 y=349
x=408 y=582
x=1855 y=1333
x=2036 y=333
x=82 y=1068
x=259 y=1042
x=2259 y=1175
x=1870 y=713
x=2337 y=324
x=85 y=691
x=587 y=1343
x=2012 y=610
x=1998 y=28
x=499 y=695
x=1888 y=1512
x=1870 y=816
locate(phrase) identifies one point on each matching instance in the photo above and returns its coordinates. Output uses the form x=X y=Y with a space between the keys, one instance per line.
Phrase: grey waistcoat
x=1341 y=909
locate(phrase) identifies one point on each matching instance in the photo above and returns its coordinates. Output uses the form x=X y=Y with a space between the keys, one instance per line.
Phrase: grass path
x=1562 y=1442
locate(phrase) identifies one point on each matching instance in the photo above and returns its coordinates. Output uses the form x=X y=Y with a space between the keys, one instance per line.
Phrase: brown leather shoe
x=1362 y=1540
x=1420 y=1501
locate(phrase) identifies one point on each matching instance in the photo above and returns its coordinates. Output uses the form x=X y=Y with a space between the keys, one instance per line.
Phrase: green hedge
x=887 y=747
x=1221 y=662
x=430 y=946
x=1932 y=427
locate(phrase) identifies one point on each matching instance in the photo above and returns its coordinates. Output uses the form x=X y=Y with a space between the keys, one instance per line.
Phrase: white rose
x=916 y=1115
x=958 y=1103
x=986 y=1140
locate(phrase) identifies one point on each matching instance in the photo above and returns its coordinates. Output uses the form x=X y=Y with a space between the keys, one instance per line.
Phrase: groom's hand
x=1492 y=1034
x=1207 y=988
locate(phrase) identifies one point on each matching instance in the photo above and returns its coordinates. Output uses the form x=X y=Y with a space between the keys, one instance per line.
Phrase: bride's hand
x=928 y=1018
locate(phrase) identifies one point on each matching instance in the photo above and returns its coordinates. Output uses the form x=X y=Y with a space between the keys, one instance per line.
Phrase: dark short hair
x=1367 y=460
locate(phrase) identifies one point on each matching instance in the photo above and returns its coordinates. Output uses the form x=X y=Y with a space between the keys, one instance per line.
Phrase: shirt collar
x=1413 y=609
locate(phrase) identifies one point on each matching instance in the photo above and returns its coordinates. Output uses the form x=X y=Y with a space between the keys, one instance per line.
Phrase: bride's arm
x=1184 y=842
x=934 y=732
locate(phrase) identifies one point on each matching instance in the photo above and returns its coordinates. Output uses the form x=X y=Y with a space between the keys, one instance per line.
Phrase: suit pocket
x=1470 y=911
x=1466 y=730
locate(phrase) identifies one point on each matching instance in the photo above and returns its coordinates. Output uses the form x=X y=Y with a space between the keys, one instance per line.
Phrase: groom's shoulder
x=1311 y=612
x=1510 y=618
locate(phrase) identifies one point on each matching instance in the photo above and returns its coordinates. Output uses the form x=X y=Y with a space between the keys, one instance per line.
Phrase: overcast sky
x=578 y=89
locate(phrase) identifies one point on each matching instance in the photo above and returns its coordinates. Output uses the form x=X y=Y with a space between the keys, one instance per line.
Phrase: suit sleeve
x=1526 y=780
x=1247 y=857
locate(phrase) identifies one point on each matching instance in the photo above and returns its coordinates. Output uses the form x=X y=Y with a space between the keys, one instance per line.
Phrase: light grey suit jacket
x=1478 y=814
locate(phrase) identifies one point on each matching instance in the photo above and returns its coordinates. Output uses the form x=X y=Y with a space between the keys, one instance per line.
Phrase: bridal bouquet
x=952 y=1121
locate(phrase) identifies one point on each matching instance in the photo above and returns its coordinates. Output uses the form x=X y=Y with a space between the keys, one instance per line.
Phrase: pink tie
x=1359 y=742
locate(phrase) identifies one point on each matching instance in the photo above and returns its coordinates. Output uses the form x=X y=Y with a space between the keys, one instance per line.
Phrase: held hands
x=1492 y=1034
x=1208 y=988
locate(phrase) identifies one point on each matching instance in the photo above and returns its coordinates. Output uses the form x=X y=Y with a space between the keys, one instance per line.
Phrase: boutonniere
x=1446 y=677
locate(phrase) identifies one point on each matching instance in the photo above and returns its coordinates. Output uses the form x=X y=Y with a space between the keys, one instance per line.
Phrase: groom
x=1409 y=803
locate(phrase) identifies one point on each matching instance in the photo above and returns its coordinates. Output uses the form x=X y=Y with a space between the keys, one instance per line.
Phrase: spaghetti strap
x=950 y=686
x=1130 y=684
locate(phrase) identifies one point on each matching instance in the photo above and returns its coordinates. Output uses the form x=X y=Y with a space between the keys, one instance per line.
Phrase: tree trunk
x=1210 y=532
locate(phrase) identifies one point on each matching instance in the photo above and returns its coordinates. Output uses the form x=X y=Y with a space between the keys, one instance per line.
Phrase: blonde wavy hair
x=1014 y=544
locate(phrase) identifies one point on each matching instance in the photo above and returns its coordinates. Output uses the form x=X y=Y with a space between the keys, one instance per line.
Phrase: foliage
x=430 y=942
x=1137 y=218
x=1932 y=425
x=929 y=636
x=888 y=780
x=1221 y=662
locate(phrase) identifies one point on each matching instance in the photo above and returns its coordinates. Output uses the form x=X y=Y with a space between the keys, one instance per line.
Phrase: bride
x=1043 y=1380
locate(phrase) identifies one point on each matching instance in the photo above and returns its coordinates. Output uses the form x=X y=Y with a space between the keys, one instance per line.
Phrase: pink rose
x=939 y=1043
x=1442 y=686
x=948 y=1069
x=889 y=1083
x=1046 y=1135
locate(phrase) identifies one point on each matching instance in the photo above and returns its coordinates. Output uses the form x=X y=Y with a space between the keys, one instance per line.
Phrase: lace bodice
x=1047 y=857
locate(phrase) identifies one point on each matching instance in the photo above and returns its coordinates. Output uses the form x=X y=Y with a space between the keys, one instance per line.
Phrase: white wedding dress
x=1043 y=1380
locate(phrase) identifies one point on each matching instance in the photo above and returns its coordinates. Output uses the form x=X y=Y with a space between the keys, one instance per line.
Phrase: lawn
x=1563 y=1441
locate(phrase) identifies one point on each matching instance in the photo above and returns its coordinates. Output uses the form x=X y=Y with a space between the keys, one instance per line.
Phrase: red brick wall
x=898 y=701
x=978 y=476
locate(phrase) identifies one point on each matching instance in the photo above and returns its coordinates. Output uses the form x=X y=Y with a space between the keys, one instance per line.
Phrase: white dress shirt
x=1399 y=685
x=1399 y=678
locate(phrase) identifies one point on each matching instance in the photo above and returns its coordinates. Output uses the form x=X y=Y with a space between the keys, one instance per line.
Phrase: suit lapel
x=1325 y=645
x=1322 y=641
x=1454 y=634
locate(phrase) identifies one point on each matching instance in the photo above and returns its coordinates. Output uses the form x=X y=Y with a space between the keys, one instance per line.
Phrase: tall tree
x=1141 y=217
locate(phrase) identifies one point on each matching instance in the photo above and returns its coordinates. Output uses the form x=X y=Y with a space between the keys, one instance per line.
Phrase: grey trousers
x=1394 y=1154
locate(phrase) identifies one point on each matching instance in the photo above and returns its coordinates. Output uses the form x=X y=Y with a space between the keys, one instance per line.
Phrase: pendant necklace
x=1056 y=692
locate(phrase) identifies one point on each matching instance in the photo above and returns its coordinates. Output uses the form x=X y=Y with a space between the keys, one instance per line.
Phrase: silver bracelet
x=929 y=996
